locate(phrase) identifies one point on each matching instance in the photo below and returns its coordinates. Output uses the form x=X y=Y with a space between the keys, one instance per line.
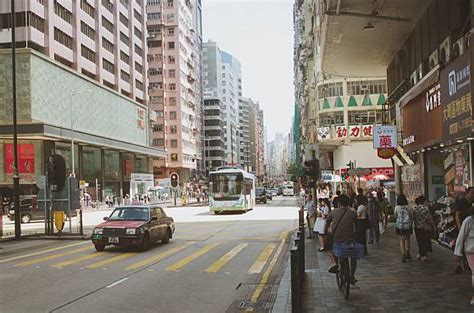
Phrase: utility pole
x=16 y=174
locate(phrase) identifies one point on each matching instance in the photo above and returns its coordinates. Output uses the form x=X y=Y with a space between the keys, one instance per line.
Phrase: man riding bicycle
x=342 y=221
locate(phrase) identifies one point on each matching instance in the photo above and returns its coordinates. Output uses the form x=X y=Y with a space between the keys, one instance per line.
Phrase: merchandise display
x=445 y=220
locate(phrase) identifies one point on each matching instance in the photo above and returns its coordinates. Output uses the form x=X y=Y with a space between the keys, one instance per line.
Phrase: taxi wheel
x=99 y=247
x=167 y=237
x=146 y=243
x=26 y=218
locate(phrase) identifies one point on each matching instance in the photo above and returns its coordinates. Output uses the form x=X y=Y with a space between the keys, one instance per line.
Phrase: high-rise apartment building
x=222 y=81
x=244 y=134
x=81 y=72
x=104 y=40
x=257 y=147
x=174 y=30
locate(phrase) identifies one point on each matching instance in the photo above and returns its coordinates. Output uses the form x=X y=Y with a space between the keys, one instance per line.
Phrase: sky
x=259 y=33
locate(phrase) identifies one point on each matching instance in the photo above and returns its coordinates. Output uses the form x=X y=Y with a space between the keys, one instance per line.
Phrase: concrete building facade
x=174 y=31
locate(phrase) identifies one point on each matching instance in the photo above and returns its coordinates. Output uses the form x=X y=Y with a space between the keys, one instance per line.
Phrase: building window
x=172 y=101
x=365 y=117
x=330 y=90
x=107 y=25
x=329 y=119
x=88 y=53
x=137 y=15
x=169 y=4
x=171 y=31
x=158 y=142
x=159 y=114
x=124 y=57
x=123 y=19
x=138 y=67
x=138 y=50
x=138 y=84
x=173 y=129
x=154 y=43
x=62 y=38
x=107 y=45
x=172 y=73
x=87 y=30
x=172 y=86
x=62 y=12
x=125 y=3
x=89 y=9
x=108 y=5
x=37 y=22
x=138 y=33
x=154 y=72
x=174 y=143
x=153 y=16
x=124 y=76
x=124 y=38
x=172 y=115
x=170 y=18
x=158 y=127
x=174 y=157
x=171 y=45
x=171 y=59
x=153 y=2
x=108 y=66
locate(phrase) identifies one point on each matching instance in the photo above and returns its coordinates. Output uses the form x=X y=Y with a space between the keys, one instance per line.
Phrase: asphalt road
x=214 y=263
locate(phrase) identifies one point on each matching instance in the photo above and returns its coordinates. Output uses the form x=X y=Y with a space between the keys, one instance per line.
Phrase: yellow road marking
x=176 y=266
x=23 y=256
x=111 y=260
x=77 y=260
x=263 y=281
x=283 y=235
x=159 y=257
x=262 y=259
x=52 y=257
x=216 y=266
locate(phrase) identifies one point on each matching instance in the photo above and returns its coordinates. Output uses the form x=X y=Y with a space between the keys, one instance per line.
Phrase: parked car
x=140 y=225
x=30 y=210
x=260 y=195
x=274 y=192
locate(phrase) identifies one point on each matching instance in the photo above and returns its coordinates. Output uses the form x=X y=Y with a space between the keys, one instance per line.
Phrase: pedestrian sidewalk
x=384 y=283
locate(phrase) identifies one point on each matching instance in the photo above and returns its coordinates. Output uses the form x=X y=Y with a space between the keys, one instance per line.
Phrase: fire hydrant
x=183 y=200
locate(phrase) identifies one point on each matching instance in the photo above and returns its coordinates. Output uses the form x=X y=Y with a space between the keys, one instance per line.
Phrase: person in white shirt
x=465 y=245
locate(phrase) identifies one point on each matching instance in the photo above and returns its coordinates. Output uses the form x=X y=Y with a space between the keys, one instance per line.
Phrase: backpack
x=403 y=221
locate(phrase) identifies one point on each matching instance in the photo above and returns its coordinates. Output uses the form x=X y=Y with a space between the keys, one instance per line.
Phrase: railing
x=297 y=261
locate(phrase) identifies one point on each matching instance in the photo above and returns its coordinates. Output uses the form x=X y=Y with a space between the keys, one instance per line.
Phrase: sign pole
x=69 y=200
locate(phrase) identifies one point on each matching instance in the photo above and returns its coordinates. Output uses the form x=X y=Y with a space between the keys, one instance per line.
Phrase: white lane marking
x=116 y=283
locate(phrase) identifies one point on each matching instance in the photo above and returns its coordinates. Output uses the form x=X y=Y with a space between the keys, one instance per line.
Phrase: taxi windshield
x=130 y=214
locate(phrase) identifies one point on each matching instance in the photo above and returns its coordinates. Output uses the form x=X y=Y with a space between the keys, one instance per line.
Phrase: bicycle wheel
x=339 y=279
x=347 y=279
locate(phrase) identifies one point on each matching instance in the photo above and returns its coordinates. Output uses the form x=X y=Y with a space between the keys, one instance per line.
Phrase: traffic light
x=311 y=169
x=56 y=172
x=174 y=180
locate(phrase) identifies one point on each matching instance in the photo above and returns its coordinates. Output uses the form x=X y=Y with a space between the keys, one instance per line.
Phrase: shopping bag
x=381 y=228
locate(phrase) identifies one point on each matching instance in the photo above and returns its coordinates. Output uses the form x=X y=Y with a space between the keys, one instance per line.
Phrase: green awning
x=381 y=99
x=339 y=103
x=367 y=101
x=326 y=104
x=352 y=102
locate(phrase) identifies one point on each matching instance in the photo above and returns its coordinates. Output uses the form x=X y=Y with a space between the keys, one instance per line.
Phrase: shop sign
x=341 y=132
x=26 y=158
x=359 y=171
x=449 y=176
x=141 y=118
x=456 y=99
x=386 y=153
x=449 y=160
x=127 y=168
x=354 y=131
x=385 y=136
x=409 y=140
x=460 y=165
x=388 y=171
x=324 y=133
x=367 y=131
x=433 y=97
x=437 y=180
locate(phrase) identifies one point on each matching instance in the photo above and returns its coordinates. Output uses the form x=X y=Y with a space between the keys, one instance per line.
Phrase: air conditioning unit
x=414 y=78
x=458 y=48
x=445 y=51
x=433 y=59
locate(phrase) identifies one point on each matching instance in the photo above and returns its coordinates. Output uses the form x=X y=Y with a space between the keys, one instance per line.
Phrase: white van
x=288 y=190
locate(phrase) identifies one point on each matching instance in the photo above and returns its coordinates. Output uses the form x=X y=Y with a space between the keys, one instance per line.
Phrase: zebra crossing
x=214 y=257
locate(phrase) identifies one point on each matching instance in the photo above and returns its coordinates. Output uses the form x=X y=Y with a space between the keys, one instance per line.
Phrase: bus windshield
x=226 y=185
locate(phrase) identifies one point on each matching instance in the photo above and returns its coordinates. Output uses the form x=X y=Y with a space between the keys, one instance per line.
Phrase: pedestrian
x=384 y=207
x=374 y=212
x=335 y=200
x=360 y=198
x=320 y=224
x=310 y=209
x=463 y=206
x=465 y=245
x=302 y=197
x=404 y=226
x=343 y=221
x=363 y=223
x=424 y=224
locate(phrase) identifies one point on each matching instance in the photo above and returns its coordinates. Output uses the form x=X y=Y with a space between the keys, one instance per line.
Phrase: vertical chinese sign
x=385 y=140
x=26 y=158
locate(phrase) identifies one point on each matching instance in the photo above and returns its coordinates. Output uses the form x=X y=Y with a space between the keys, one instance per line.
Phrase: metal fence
x=297 y=263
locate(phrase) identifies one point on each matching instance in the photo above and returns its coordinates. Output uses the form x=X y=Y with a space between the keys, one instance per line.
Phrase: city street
x=236 y=258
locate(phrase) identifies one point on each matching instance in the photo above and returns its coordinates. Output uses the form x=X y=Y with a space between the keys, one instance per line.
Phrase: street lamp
x=72 y=128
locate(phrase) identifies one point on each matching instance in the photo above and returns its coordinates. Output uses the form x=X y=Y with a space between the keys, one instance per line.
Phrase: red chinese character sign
x=26 y=158
x=341 y=132
x=385 y=136
x=367 y=131
x=354 y=131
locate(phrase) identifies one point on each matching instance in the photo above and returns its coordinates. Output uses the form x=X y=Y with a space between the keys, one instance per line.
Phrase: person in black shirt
x=336 y=200
x=361 y=199
x=463 y=206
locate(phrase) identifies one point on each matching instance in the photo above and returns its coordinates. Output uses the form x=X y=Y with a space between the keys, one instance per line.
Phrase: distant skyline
x=259 y=33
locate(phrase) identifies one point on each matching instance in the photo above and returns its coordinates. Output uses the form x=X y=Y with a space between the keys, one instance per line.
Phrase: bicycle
x=345 y=251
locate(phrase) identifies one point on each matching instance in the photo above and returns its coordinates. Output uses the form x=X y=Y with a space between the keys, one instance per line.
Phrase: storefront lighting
x=429 y=149
x=470 y=138
x=459 y=141
x=422 y=150
x=441 y=145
